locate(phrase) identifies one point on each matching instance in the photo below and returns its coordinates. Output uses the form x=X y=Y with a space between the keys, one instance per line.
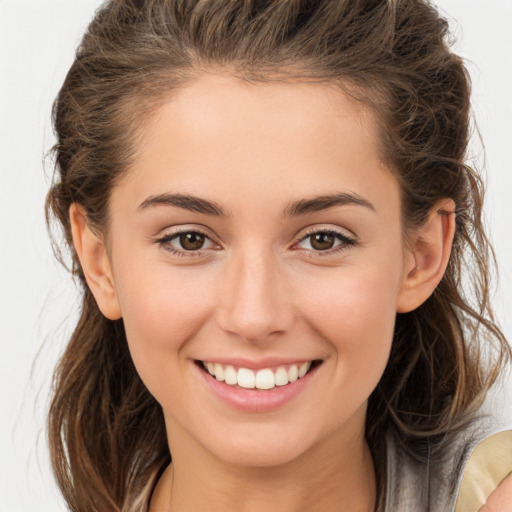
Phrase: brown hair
x=106 y=432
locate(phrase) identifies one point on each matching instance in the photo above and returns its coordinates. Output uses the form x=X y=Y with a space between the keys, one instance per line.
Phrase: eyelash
x=166 y=239
x=346 y=242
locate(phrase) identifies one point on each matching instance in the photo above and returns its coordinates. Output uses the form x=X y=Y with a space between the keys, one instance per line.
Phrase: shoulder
x=487 y=483
x=501 y=499
x=458 y=475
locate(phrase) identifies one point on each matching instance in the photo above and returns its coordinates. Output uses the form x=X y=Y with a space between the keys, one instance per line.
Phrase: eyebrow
x=187 y=202
x=294 y=209
x=319 y=203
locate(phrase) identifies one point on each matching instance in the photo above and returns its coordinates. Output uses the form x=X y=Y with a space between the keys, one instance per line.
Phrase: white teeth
x=262 y=379
x=293 y=373
x=246 y=378
x=219 y=372
x=304 y=367
x=230 y=375
x=281 y=377
x=265 y=379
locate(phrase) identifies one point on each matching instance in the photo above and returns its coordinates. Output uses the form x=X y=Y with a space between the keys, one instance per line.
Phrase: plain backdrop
x=37 y=298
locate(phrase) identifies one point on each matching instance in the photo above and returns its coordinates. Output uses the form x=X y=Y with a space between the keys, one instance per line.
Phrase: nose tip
x=254 y=303
x=253 y=323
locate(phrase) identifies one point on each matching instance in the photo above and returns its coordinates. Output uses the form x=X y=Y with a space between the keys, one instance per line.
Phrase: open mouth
x=262 y=379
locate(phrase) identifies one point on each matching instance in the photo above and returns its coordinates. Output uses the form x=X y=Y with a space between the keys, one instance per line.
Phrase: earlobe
x=95 y=264
x=427 y=257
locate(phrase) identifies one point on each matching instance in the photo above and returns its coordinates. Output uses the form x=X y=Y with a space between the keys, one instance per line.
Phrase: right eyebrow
x=191 y=203
x=324 y=202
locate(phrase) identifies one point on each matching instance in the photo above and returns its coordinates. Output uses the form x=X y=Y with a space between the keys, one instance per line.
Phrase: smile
x=262 y=379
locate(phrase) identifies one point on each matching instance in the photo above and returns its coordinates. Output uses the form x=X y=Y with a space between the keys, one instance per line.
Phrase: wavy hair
x=106 y=432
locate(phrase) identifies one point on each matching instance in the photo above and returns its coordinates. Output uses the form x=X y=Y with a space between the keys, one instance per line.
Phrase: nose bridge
x=253 y=302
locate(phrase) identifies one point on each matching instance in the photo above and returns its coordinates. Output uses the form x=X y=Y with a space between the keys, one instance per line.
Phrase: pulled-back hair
x=106 y=432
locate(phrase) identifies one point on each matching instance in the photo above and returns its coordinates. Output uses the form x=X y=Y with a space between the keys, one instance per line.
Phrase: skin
x=259 y=288
x=501 y=499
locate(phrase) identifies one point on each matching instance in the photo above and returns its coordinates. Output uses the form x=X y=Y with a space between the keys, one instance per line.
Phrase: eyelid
x=347 y=240
x=168 y=234
x=323 y=228
x=186 y=228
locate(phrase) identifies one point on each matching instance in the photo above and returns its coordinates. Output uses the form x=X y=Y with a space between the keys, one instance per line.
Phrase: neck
x=322 y=480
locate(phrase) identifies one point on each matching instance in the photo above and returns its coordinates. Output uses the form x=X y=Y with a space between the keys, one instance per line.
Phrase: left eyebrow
x=319 y=203
x=186 y=202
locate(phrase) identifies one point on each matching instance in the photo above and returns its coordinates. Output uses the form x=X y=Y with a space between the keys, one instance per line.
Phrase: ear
x=427 y=256
x=91 y=252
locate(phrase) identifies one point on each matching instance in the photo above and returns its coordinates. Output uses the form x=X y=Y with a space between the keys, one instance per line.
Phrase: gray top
x=414 y=486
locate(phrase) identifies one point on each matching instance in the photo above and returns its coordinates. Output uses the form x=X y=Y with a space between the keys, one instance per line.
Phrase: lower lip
x=251 y=400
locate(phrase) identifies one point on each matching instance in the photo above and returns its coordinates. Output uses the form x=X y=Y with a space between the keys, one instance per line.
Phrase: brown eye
x=192 y=241
x=322 y=241
x=325 y=241
x=186 y=243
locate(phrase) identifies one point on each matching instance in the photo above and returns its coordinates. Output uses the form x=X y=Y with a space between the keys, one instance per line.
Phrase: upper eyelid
x=171 y=232
x=325 y=229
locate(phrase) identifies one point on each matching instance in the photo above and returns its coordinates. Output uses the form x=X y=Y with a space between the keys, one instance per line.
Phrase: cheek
x=161 y=311
x=357 y=319
x=358 y=302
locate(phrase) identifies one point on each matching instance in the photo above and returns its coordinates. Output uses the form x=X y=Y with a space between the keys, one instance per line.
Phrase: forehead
x=229 y=140
x=215 y=106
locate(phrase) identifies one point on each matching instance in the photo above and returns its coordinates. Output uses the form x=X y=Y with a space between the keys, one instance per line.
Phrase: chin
x=264 y=455
x=261 y=445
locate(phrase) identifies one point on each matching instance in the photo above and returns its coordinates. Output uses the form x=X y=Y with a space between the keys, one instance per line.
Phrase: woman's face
x=258 y=233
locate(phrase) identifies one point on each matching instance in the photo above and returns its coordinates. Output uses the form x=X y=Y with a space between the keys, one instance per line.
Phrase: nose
x=254 y=301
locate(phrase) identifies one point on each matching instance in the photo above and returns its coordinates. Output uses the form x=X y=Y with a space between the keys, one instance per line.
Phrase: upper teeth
x=266 y=378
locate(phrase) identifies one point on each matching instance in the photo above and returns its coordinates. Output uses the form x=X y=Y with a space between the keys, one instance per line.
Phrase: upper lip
x=267 y=362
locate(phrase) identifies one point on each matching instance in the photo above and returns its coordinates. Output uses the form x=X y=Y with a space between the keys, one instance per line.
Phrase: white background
x=37 y=298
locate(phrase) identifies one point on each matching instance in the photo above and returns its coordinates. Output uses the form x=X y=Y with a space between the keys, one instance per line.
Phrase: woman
x=270 y=214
